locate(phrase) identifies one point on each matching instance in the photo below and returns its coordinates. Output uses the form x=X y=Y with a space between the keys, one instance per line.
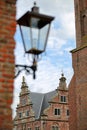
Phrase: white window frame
x=37 y=128
x=63 y=99
x=57 y=111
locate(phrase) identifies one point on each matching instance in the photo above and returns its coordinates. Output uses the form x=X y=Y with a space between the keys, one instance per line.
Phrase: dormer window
x=63 y=99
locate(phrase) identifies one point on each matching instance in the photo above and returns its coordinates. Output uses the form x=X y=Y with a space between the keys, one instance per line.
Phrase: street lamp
x=34 y=29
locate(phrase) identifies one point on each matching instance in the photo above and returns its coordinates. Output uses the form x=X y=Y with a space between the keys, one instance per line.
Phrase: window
x=55 y=128
x=27 y=113
x=24 y=126
x=67 y=112
x=37 y=128
x=57 y=112
x=63 y=99
x=29 y=129
x=20 y=115
x=23 y=101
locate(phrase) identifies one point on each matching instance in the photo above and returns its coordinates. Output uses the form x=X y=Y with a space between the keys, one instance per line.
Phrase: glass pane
x=53 y=128
x=39 y=37
x=64 y=98
x=67 y=112
x=26 y=38
x=61 y=98
x=55 y=111
x=56 y=127
x=34 y=34
x=43 y=37
x=34 y=38
x=58 y=111
x=27 y=113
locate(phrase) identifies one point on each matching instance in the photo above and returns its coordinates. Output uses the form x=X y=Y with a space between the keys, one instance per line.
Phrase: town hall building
x=43 y=111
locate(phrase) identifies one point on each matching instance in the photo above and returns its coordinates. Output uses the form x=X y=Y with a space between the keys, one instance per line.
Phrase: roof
x=40 y=102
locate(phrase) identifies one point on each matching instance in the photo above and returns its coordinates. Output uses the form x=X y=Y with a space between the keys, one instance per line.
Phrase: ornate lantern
x=34 y=29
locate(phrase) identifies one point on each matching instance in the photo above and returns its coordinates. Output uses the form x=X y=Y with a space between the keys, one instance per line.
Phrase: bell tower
x=78 y=84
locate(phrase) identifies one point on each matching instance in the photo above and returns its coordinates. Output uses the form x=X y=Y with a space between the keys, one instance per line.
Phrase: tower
x=24 y=108
x=78 y=84
x=81 y=22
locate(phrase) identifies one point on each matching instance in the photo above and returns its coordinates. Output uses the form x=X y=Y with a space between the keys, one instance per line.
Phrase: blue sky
x=57 y=57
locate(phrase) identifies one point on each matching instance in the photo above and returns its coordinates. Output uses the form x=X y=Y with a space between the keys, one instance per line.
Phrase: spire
x=24 y=87
x=62 y=83
x=23 y=82
x=62 y=79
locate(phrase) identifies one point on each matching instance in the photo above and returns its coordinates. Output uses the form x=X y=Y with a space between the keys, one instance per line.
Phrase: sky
x=57 y=57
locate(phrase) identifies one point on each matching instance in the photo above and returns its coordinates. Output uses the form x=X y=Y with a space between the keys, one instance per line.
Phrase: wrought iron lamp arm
x=26 y=68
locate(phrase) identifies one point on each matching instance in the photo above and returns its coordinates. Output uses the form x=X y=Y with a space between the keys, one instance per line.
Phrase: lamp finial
x=62 y=73
x=34 y=3
x=35 y=9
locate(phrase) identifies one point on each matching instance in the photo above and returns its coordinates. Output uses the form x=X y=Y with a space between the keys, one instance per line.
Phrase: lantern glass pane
x=43 y=37
x=26 y=37
x=34 y=38
x=39 y=38
x=34 y=34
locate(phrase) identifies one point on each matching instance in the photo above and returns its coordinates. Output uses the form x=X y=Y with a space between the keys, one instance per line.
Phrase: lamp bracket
x=19 y=68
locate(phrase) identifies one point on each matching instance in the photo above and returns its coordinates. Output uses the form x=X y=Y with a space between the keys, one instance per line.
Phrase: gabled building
x=38 y=111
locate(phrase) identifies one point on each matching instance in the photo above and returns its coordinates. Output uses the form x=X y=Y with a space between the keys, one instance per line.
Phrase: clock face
x=23 y=101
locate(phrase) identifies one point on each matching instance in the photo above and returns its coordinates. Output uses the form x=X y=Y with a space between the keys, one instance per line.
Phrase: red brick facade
x=52 y=114
x=7 y=44
x=80 y=21
x=78 y=84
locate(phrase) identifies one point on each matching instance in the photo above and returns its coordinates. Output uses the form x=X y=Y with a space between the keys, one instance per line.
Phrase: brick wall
x=7 y=44
x=78 y=84
x=72 y=105
x=80 y=20
x=78 y=91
